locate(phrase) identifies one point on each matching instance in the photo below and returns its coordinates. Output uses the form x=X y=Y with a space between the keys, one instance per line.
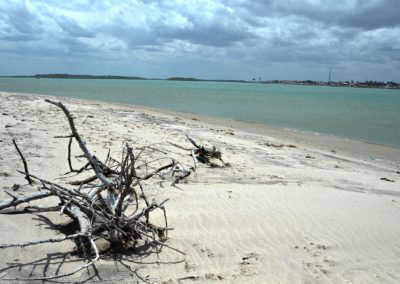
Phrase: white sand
x=317 y=213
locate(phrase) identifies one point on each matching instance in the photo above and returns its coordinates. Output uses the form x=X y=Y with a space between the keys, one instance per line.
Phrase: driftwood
x=202 y=154
x=27 y=177
x=22 y=199
x=110 y=205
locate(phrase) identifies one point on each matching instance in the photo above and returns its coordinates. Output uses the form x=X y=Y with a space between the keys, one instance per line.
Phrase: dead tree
x=111 y=204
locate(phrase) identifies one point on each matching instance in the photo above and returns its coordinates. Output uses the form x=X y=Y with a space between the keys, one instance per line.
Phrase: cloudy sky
x=231 y=39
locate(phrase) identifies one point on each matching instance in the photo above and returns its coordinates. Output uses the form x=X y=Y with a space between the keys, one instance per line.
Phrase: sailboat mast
x=330 y=74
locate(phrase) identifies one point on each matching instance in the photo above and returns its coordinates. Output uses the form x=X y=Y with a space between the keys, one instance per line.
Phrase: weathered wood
x=50 y=240
x=23 y=161
x=202 y=154
x=81 y=143
x=16 y=200
x=30 y=209
x=101 y=210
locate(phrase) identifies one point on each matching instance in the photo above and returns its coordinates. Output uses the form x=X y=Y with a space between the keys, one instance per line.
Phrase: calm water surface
x=364 y=114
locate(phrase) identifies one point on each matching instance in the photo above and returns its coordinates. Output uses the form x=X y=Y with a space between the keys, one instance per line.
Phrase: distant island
x=355 y=84
x=70 y=76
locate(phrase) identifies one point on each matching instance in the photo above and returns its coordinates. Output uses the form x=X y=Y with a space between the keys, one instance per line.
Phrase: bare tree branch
x=81 y=143
x=23 y=199
x=23 y=161
x=32 y=243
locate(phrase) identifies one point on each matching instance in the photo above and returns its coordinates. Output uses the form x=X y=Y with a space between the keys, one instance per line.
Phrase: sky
x=232 y=39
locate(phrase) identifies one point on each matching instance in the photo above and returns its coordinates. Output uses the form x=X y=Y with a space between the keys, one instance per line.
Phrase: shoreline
x=283 y=210
x=322 y=141
x=309 y=83
x=269 y=105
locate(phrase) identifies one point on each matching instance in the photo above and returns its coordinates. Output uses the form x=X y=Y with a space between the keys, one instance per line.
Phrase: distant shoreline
x=350 y=84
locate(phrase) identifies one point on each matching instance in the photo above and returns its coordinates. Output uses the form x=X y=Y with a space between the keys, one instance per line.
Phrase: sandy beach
x=291 y=208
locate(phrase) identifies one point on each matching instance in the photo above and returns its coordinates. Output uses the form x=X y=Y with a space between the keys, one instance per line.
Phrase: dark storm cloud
x=212 y=35
x=366 y=14
x=73 y=29
x=22 y=20
x=134 y=37
x=340 y=30
x=18 y=23
x=378 y=14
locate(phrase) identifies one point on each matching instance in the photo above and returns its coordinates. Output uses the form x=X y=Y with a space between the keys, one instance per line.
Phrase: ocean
x=371 y=115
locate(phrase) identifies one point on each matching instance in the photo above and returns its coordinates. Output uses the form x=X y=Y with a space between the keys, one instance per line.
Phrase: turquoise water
x=364 y=114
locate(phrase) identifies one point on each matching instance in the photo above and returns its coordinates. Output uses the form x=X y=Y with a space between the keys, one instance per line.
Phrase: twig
x=30 y=209
x=24 y=162
x=32 y=243
x=92 y=262
x=22 y=199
